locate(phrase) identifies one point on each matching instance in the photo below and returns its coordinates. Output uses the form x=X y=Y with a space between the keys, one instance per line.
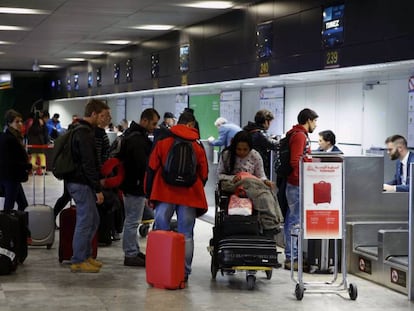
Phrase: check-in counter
x=372 y=217
x=212 y=172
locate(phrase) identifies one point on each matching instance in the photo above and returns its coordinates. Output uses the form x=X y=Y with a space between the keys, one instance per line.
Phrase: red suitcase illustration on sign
x=321 y=192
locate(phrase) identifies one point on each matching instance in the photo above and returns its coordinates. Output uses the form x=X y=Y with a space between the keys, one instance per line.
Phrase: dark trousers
x=62 y=201
x=13 y=192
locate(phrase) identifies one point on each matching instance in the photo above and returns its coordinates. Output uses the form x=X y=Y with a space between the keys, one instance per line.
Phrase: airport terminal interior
x=42 y=283
x=350 y=61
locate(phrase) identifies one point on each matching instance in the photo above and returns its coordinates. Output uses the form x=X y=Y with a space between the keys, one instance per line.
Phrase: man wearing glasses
x=397 y=150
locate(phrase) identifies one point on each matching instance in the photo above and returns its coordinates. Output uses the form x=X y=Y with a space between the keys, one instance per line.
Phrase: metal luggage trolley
x=322 y=216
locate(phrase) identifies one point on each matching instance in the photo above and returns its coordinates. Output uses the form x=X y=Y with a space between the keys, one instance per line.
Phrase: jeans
x=185 y=220
x=13 y=192
x=291 y=219
x=87 y=220
x=134 y=208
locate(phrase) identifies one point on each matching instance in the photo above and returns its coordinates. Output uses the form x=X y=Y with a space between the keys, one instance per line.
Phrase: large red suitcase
x=322 y=192
x=165 y=259
x=67 y=222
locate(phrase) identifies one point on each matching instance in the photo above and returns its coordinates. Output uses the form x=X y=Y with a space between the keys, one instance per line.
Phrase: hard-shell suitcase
x=322 y=192
x=41 y=219
x=247 y=251
x=165 y=259
x=9 y=242
x=67 y=221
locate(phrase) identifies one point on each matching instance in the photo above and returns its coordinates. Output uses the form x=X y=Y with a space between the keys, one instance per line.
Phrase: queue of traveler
x=142 y=181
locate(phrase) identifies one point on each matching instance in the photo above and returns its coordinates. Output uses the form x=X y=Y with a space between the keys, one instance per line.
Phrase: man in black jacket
x=135 y=150
x=262 y=142
x=85 y=188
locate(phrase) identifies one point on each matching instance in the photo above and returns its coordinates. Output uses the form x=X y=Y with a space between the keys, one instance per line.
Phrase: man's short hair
x=262 y=116
x=397 y=140
x=11 y=115
x=185 y=118
x=150 y=114
x=305 y=115
x=95 y=105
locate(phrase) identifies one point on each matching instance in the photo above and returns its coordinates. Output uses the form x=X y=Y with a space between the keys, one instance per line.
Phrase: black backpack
x=180 y=168
x=282 y=161
x=116 y=149
x=63 y=162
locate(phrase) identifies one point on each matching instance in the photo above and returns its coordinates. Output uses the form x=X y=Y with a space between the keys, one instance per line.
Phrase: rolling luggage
x=41 y=219
x=24 y=234
x=247 y=251
x=67 y=220
x=165 y=259
x=9 y=242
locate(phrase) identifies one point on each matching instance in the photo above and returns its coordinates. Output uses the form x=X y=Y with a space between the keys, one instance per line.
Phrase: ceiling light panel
x=220 y=5
x=8 y=10
x=75 y=59
x=117 y=42
x=154 y=27
x=93 y=52
x=8 y=27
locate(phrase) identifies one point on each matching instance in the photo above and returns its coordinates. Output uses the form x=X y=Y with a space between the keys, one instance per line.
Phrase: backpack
x=116 y=147
x=180 y=168
x=63 y=163
x=282 y=161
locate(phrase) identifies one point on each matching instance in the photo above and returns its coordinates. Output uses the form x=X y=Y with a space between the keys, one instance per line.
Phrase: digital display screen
x=5 y=81
x=76 y=81
x=264 y=35
x=90 y=79
x=117 y=70
x=98 y=77
x=333 y=26
x=155 y=66
x=185 y=58
x=129 y=70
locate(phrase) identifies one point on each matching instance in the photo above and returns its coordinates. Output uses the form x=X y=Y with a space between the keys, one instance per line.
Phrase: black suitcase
x=320 y=256
x=24 y=234
x=9 y=242
x=247 y=251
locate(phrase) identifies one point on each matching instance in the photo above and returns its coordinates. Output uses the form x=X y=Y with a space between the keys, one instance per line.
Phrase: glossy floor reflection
x=42 y=283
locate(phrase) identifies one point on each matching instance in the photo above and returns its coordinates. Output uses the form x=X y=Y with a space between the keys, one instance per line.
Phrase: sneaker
x=288 y=265
x=94 y=262
x=84 y=267
x=136 y=261
x=141 y=255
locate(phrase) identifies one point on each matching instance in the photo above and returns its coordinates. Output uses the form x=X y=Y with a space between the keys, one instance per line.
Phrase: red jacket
x=298 y=145
x=192 y=196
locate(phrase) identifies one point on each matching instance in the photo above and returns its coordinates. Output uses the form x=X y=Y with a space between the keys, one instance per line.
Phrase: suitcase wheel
x=269 y=274
x=143 y=230
x=251 y=282
x=49 y=246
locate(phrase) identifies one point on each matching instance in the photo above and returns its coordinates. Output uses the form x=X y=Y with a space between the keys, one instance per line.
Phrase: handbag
x=240 y=205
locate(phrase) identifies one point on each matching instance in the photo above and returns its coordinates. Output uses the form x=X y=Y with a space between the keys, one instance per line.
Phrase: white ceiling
x=73 y=26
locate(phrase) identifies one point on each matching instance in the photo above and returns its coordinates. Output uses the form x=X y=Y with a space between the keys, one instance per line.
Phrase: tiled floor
x=42 y=283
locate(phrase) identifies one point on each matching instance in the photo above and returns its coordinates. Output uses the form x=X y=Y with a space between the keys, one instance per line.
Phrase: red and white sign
x=322 y=200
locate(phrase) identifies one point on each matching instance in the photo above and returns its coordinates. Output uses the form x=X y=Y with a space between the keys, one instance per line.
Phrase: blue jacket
x=397 y=177
x=226 y=134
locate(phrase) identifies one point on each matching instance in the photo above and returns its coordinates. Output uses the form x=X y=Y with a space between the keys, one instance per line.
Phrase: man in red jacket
x=299 y=145
x=188 y=202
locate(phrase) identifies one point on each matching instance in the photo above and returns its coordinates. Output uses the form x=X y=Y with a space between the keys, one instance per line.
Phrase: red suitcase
x=67 y=223
x=322 y=192
x=165 y=259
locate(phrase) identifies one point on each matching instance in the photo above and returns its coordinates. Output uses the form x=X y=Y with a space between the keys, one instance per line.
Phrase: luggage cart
x=322 y=216
x=218 y=244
